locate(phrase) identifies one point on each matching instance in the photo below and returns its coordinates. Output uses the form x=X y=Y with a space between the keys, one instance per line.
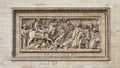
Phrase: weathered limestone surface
x=5 y=34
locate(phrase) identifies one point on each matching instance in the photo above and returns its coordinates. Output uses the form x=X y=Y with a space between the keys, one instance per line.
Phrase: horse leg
x=29 y=42
x=32 y=36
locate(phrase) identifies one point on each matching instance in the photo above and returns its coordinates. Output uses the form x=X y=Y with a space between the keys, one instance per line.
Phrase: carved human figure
x=52 y=29
x=95 y=37
x=24 y=34
x=49 y=31
x=60 y=39
x=37 y=25
x=87 y=37
x=77 y=33
x=68 y=34
x=81 y=36
x=48 y=41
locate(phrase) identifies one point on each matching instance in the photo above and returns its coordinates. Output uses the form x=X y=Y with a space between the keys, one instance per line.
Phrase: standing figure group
x=86 y=36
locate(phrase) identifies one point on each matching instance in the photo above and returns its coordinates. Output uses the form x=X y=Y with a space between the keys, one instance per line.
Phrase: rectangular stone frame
x=18 y=55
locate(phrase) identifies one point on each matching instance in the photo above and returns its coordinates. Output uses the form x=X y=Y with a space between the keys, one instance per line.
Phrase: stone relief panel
x=57 y=33
x=54 y=34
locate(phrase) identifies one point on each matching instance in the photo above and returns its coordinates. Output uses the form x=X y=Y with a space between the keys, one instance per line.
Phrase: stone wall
x=5 y=34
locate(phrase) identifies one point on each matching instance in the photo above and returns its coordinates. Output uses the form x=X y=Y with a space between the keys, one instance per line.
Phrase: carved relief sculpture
x=65 y=32
x=55 y=34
